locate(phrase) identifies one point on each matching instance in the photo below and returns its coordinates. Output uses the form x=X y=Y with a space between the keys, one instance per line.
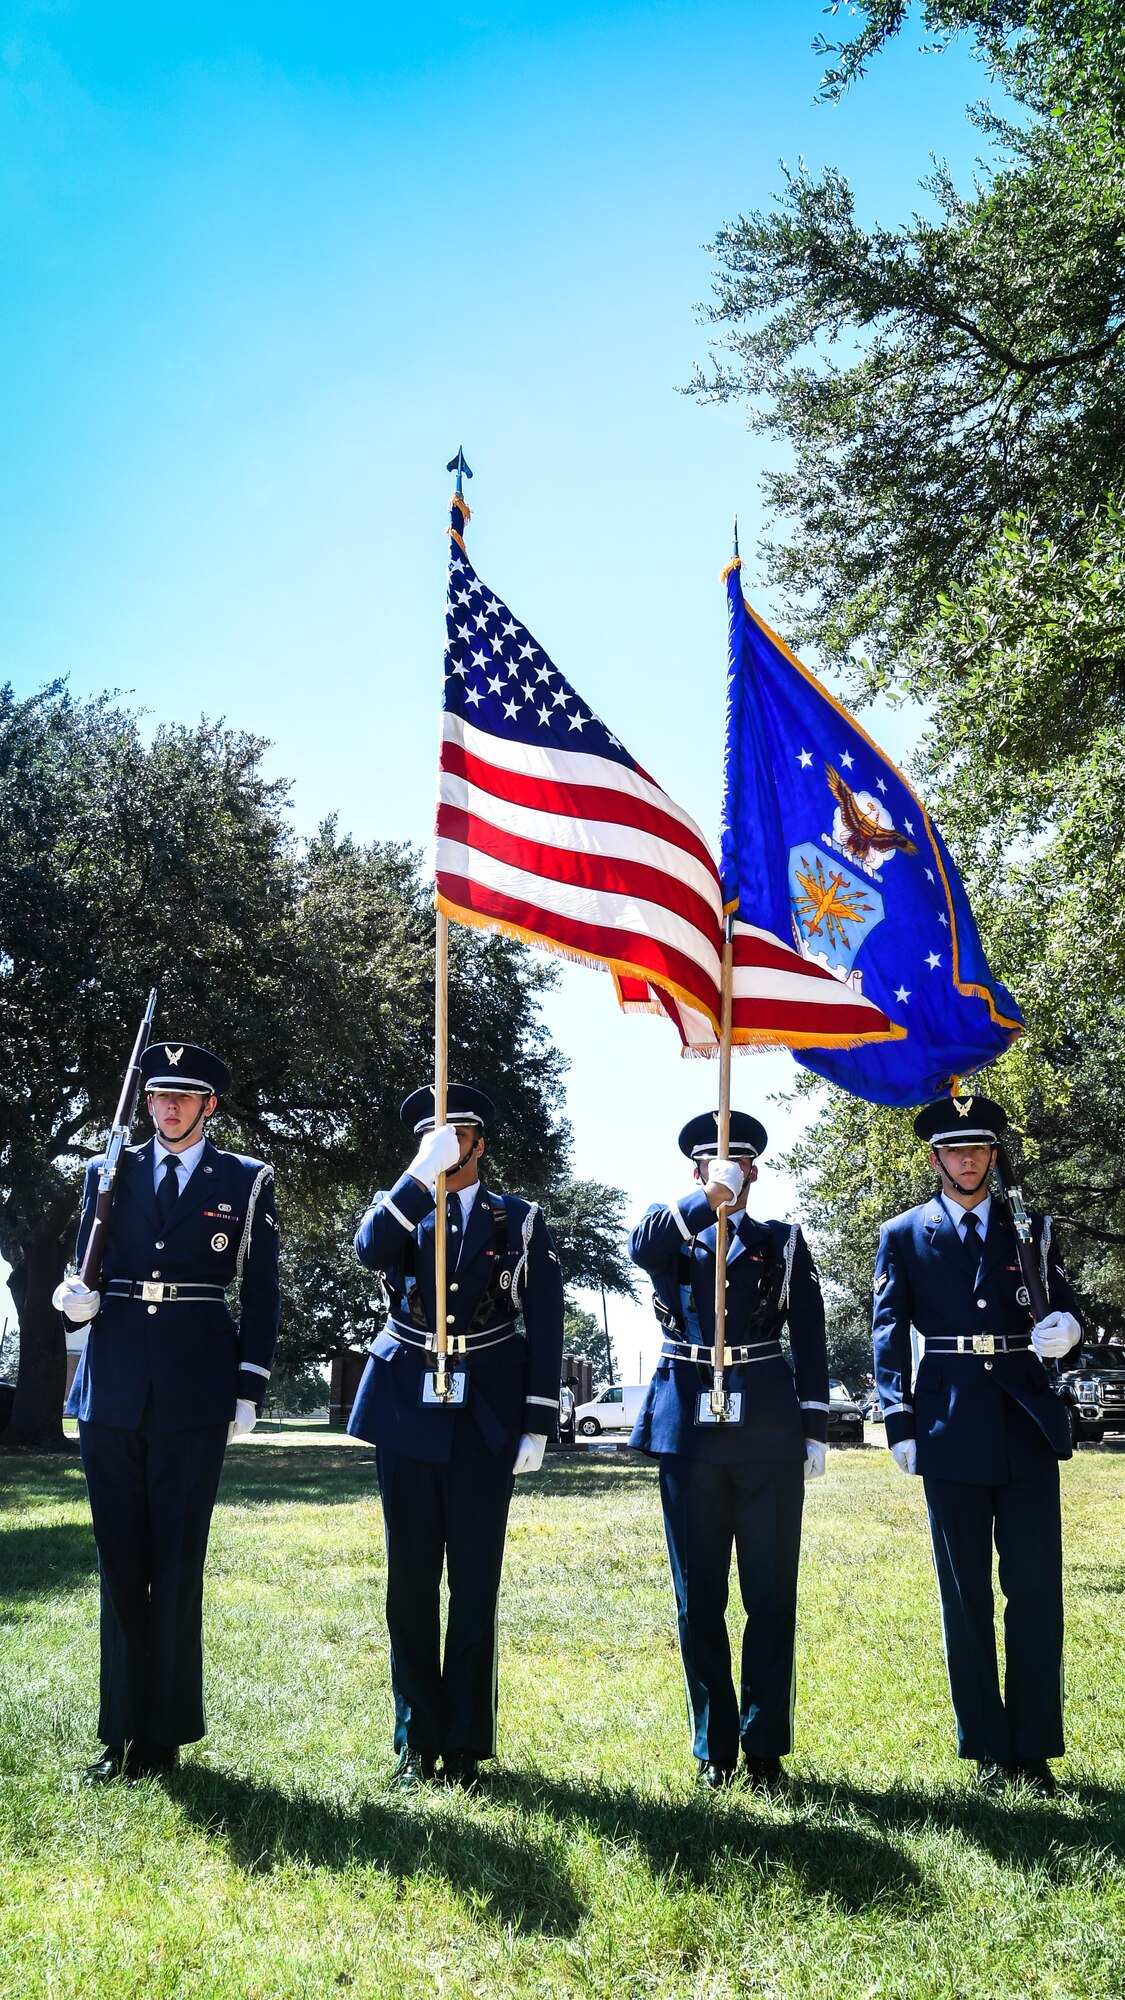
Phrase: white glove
x=438 y=1151
x=76 y=1300
x=730 y=1174
x=1055 y=1335
x=905 y=1455
x=529 y=1457
x=245 y=1417
x=816 y=1458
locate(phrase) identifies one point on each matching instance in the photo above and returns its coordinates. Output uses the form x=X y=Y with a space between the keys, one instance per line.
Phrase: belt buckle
x=984 y=1343
x=151 y=1294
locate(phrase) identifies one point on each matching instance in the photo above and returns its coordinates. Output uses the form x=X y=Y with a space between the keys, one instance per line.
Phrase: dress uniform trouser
x=757 y=1508
x=456 y=1514
x=152 y=1494
x=1024 y=1516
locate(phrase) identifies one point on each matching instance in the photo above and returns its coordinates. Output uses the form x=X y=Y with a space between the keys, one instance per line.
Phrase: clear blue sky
x=262 y=269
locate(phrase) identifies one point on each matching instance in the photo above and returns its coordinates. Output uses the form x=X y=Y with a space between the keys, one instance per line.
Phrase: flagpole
x=719 y=1407
x=442 y=1387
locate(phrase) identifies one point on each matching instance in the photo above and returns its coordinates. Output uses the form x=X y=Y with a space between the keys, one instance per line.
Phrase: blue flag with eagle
x=825 y=842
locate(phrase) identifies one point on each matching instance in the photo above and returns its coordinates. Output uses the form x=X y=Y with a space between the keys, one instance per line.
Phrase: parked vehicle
x=566 y=1414
x=1091 y=1382
x=845 y=1418
x=614 y=1409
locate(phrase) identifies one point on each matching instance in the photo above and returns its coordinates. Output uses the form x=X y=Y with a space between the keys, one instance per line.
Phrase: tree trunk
x=36 y=1420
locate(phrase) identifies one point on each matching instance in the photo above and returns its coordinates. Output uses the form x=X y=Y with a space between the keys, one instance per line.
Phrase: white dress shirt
x=186 y=1162
x=957 y=1215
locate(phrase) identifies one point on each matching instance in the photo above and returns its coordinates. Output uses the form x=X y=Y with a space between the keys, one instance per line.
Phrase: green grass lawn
x=276 y=1863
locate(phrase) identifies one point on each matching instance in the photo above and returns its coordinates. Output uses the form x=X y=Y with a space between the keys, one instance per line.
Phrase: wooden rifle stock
x=90 y=1269
x=1013 y=1204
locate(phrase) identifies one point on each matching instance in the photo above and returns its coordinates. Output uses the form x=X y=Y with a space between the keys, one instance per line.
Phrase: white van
x=615 y=1409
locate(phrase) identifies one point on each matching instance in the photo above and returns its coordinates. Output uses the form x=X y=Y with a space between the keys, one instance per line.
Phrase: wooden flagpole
x=442 y=1385
x=719 y=1407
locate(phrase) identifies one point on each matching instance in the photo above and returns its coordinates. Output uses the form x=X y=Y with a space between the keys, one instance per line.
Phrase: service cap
x=961 y=1121
x=700 y=1136
x=463 y=1106
x=181 y=1066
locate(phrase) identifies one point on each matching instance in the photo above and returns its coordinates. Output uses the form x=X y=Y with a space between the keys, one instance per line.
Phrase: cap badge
x=172 y=1055
x=962 y=1109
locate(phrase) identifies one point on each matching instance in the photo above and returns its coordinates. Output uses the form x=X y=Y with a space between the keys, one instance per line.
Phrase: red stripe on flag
x=609 y=943
x=608 y=874
x=579 y=802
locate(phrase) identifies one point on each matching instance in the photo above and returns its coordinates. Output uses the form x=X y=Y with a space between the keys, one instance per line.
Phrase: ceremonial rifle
x=91 y=1267
x=1012 y=1202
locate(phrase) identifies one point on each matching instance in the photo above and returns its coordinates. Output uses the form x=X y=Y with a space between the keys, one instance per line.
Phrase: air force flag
x=824 y=841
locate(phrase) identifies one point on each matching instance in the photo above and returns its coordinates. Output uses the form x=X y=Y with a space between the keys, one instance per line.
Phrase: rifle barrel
x=117 y=1139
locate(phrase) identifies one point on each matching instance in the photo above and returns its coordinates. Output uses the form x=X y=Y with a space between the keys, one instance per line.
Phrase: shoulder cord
x=789 y=1254
x=263 y=1175
x=519 y=1275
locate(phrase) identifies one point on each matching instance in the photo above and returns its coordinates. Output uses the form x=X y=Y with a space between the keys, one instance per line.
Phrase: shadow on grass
x=519 y=1878
x=254 y=1476
x=700 y=1840
x=583 y=1472
x=27 y=1478
x=38 y=1561
x=1018 y=1831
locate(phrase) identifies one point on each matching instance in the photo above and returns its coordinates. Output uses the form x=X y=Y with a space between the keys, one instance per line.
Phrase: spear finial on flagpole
x=460 y=465
x=735 y=562
x=459 y=506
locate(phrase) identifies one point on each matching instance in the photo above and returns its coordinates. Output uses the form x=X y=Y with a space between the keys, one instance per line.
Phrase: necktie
x=973 y=1242
x=167 y=1192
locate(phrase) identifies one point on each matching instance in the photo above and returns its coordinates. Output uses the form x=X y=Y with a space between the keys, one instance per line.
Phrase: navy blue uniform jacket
x=514 y=1383
x=771 y=1284
x=924 y=1277
x=191 y=1356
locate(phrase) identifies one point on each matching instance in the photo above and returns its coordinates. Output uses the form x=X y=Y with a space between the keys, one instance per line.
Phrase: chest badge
x=219 y=1241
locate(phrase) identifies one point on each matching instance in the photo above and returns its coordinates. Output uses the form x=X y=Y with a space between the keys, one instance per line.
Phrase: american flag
x=549 y=830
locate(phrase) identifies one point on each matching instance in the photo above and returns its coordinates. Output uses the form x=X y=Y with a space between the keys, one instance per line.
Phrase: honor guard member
x=166 y=1375
x=446 y=1470
x=740 y=1482
x=985 y=1431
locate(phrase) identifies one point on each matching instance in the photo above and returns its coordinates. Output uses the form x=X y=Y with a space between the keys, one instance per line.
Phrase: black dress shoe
x=716 y=1776
x=763 y=1774
x=107 y=1768
x=414 y=1769
x=459 y=1768
x=1036 y=1777
x=991 y=1777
